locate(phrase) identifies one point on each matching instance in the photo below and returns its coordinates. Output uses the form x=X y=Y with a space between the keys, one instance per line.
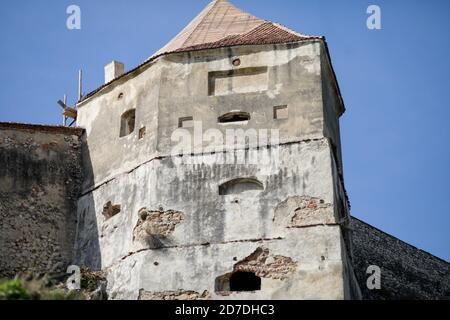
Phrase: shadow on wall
x=87 y=246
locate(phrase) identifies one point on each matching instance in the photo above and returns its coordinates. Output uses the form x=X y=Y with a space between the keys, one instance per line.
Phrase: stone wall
x=406 y=272
x=40 y=178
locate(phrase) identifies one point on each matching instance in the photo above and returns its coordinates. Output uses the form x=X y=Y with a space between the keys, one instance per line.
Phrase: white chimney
x=114 y=70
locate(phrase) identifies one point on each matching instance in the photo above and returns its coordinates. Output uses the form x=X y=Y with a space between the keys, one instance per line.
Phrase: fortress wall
x=40 y=178
x=406 y=272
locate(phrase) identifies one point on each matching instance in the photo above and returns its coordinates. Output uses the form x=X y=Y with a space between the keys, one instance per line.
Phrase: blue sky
x=394 y=82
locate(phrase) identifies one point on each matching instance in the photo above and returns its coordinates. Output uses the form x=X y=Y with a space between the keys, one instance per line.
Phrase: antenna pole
x=80 y=85
x=64 y=116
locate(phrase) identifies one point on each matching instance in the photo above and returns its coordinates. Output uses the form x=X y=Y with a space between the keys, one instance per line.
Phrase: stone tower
x=169 y=225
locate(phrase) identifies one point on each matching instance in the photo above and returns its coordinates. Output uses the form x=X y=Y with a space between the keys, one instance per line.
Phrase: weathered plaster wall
x=176 y=86
x=406 y=272
x=312 y=270
x=40 y=178
x=164 y=221
x=175 y=233
x=209 y=217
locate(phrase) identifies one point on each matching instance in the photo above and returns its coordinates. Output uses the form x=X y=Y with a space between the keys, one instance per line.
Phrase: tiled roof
x=266 y=33
x=220 y=25
x=218 y=20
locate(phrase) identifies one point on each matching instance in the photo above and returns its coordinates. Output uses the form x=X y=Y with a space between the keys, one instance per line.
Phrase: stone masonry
x=40 y=177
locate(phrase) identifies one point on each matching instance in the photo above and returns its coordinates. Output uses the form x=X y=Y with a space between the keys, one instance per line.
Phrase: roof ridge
x=206 y=16
x=218 y=19
x=281 y=26
x=261 y=35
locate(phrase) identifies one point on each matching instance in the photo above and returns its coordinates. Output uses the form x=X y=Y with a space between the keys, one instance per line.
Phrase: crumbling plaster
x=294 y=78
x=207 y=233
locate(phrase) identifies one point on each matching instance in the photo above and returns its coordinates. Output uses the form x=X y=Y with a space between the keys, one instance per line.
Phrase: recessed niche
x=242 y=80
x=142 y=132
x=241 y=185
x=234 y=117
x=281 y=113
x=186 y=122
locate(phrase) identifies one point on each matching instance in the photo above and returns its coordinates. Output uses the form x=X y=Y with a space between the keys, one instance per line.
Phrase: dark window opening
x=238 y=282
x=238 y=186
x=127 y=123
x=244 y=281
x=234 y=117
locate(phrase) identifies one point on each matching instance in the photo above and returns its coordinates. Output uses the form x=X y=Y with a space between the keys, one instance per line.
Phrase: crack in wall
x=184 y=295
x=194 y=153
x=206 y=244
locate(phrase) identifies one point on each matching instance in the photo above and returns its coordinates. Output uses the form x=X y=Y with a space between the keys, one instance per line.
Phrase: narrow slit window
x=235 y=117
x=127 y=123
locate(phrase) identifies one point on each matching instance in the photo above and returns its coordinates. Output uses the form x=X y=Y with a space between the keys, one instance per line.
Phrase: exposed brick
x=265 y=265
x=296 y=212
x=174 y=295
x=156 y=223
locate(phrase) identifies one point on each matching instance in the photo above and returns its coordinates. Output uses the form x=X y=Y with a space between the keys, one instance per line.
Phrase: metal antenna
x=64 y=116
x=80 y=85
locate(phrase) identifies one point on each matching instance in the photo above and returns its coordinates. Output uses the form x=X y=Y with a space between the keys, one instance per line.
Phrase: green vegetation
x=20 y=289
x=13 y=290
